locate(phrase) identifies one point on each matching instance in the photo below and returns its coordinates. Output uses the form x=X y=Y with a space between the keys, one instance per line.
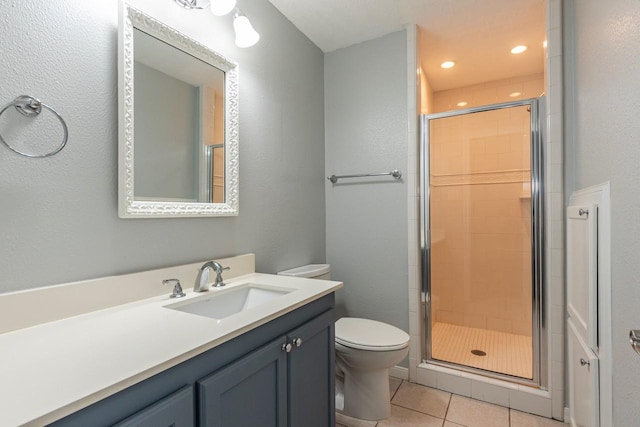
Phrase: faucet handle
x=219 y=269
x=177 y=289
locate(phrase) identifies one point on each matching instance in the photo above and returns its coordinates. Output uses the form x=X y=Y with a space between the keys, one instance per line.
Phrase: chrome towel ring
x=30 y=107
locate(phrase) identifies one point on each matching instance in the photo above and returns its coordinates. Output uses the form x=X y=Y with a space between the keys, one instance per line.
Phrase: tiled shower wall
x=481 y=220
x=481 y=235
x=549 y=402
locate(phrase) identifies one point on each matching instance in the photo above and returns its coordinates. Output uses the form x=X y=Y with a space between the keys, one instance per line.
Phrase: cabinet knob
x=298 y=342
x=287 y=347
x=584 y=362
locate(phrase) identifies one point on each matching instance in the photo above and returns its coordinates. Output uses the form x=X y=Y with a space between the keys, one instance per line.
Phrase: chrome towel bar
x=396 y=174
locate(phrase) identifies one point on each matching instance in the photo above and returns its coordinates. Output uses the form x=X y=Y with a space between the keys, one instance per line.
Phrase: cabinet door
x=582 y=271
x=311 y=374
x=583 y=381
x=175 y=410
x=250 y=392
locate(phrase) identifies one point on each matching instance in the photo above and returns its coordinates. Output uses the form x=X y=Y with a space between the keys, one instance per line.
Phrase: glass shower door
x=479 y=261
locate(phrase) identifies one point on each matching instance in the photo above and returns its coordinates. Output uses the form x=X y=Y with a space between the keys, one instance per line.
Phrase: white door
x=582 y=307
x=583 y=379
x=582 y=271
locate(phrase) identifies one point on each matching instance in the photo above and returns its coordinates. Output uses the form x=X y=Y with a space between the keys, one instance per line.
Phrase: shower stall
x=481 y=240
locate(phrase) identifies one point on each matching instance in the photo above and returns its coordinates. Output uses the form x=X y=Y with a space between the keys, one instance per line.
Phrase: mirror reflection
x=179 y=125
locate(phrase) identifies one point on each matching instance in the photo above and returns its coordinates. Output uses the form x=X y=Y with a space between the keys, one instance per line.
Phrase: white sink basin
x=224 y=303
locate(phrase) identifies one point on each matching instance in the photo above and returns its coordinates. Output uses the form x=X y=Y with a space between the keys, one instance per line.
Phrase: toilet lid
x=366 y=334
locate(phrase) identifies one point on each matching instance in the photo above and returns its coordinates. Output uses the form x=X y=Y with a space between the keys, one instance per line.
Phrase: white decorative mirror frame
x=128 y=207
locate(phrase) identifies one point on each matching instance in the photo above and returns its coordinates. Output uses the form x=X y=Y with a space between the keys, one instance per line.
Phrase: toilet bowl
x=365 y=351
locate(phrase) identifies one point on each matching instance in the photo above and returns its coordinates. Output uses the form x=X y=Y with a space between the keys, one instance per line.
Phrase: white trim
x=411 y=178
x=399 y=372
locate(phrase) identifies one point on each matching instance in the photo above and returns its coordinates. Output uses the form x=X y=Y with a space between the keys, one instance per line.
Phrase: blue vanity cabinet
x=287 y=383
x=248 y=381
x=175 y=410
x=249 y=392
x=310 y=374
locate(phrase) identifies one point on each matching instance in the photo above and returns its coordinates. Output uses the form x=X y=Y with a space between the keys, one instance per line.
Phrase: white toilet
x=365 y=351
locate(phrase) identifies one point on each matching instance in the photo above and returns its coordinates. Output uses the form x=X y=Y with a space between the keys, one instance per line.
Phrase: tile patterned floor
x=414 y=405
x=506 y=353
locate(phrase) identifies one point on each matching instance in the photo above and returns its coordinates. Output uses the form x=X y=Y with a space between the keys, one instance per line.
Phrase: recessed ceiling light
x=518 y=49
x=462 y=104
x=515 y=94
x=447 y=64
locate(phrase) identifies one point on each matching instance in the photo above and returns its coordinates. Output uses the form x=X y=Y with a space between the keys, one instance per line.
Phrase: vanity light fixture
x=447 y=64
x=518 y=49
x=246 y=35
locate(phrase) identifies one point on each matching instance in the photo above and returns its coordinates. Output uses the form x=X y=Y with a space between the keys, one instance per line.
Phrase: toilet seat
x=371 y=335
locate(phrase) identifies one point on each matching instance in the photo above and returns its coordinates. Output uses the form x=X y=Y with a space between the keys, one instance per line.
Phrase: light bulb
x=246 y=36
x=222 y=7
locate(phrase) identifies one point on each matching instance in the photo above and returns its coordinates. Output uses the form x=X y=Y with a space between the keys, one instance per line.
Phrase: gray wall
x=366 y=131
x=603 y=50
x=164 y=148
x=58 y=216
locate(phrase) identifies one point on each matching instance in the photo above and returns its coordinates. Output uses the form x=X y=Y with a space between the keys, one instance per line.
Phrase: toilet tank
x=311 y=271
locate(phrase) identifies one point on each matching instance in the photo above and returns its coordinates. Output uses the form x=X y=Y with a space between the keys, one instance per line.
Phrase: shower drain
x=478 y=352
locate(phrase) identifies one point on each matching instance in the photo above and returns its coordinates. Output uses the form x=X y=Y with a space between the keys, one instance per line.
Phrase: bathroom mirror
x=178 y=123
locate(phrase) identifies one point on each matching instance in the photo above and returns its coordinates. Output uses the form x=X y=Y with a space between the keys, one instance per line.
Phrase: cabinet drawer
x=175 y=410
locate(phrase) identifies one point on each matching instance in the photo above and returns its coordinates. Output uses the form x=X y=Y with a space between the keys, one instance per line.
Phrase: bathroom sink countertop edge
x=54 y=369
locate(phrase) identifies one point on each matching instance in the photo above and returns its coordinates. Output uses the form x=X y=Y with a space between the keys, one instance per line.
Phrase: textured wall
x=605 y=46
x=366 y=131
x=58 y=217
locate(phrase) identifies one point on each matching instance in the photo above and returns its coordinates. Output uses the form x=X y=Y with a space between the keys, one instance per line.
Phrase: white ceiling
x=477 y=34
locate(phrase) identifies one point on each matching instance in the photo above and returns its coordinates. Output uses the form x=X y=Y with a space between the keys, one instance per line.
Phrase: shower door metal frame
x=539 y=326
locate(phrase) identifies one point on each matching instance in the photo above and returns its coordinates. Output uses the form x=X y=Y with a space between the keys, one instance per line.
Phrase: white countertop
x=54 y=369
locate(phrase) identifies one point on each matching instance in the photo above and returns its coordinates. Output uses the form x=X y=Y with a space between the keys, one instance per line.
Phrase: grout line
x=396 y=391
x=447 y=411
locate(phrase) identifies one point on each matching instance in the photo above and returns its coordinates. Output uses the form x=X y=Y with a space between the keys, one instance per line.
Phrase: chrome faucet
x=202 y=284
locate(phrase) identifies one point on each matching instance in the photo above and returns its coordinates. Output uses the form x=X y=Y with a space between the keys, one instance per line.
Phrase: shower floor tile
x=506 y=353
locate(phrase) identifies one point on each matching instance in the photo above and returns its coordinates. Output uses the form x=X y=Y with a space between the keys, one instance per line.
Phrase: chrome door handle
x=585 y=362
x=634 y=339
